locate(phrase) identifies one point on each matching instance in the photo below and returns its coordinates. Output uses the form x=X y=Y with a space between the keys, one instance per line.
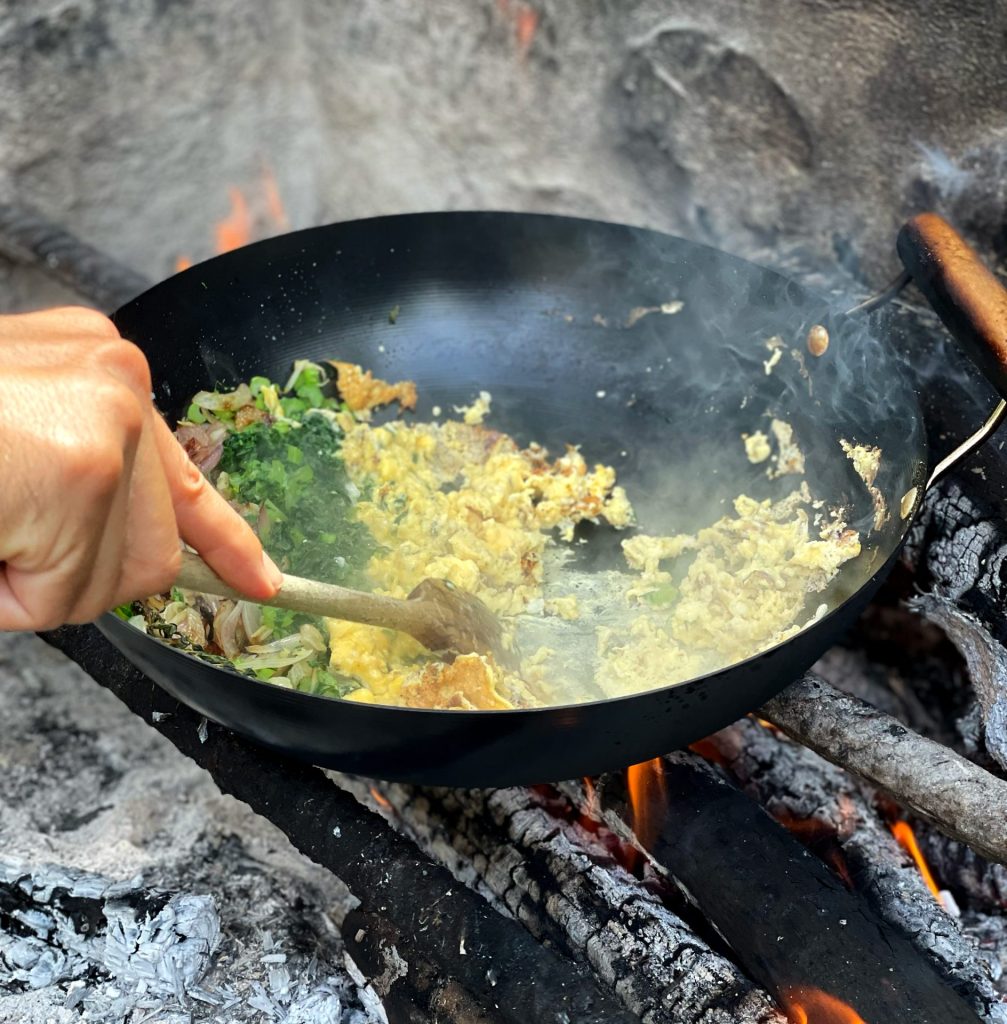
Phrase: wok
x=546 y=313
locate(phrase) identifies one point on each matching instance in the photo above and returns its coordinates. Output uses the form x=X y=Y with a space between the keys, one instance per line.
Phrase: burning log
x=791 y=923
x=433 y=949
x=827 y=809
x=983 y=885
x=567 y=888
x=957 y=796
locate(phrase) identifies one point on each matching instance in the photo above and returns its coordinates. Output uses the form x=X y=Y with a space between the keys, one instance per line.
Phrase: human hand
x=95 y=492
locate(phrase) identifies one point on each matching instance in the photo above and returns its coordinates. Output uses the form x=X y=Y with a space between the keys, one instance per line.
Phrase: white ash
x=88 y=786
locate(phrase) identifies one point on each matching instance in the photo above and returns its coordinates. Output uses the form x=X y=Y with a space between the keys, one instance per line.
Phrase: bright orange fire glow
x=235 y=229
x=273 y=202
x=182 y=263
x=524 y=18
x=380 y=799
x=592 y=807
x=813 y=1006
x=820 y=839
x=645 y=782
x=907 y=840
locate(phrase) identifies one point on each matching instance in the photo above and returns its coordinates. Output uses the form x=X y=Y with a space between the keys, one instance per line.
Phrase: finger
x=206 y=522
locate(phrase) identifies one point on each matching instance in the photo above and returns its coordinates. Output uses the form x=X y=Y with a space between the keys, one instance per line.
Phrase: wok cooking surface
x=546 y=313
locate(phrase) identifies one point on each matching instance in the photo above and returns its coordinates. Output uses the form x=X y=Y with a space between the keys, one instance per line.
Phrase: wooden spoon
x=437 y=613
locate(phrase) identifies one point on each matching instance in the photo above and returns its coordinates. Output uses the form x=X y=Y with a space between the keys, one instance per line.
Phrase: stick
x=959 y=798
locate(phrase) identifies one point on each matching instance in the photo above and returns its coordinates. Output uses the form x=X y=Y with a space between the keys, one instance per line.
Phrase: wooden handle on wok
x=970 y=301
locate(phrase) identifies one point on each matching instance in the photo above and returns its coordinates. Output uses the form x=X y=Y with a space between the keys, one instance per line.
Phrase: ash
x=131 y=890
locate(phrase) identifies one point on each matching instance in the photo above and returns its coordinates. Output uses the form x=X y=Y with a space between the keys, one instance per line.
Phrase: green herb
x=300 y=479
x=393 y=314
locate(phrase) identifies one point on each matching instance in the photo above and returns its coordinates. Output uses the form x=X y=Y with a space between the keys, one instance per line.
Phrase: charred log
x=833 y=815
x=791 y=923
x=568 y=889
x=982 y=885
x=957 y=796
x=27 y=236
x=428 y=943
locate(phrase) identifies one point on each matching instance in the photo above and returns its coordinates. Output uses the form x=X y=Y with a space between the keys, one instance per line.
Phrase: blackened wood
x=27 y=236
x=833 y=814
x=959 y=552
x=790 y=921
x=416 y=930
x=977 y=883
x=565 y=885
x=957 y=796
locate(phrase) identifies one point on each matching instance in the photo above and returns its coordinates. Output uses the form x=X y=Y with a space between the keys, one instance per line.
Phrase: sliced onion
x=285 y=643
x=279 y=660
x=312 y=636
x=231 y=400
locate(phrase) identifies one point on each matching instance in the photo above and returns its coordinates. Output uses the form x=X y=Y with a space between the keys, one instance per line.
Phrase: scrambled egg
x=462 y=502
x=866 y=461
x=457 y=501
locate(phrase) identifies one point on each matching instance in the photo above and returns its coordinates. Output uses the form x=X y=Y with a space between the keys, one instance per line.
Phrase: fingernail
x=274 y=574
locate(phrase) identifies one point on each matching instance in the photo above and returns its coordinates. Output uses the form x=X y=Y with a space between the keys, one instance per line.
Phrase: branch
x=958 y=797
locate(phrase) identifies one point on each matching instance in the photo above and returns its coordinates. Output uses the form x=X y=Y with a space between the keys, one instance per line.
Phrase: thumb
x=207 y=523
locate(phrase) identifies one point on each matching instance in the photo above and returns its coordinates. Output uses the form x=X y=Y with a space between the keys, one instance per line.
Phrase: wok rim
x=113 y=622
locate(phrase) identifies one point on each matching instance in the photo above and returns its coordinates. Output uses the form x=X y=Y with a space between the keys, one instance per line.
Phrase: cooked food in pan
x=339 y=497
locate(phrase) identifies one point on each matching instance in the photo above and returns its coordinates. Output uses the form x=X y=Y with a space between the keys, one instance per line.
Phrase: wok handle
x=970 y=301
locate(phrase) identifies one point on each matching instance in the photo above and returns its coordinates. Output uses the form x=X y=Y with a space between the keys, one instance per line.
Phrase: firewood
x=835 y=811
x=790 y=922
x=568 y=889
x=427 y=943
x=957 y=796
x=29 y=237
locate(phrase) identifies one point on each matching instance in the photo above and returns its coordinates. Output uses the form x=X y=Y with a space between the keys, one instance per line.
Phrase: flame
x=182 y=263
x=235 y=229
x=592 y=806
x=820 y=839
x=273 y=202
x=524 y=18
x=645 y=782
x=907 y=840
x=381 y=800
x=813 y=1006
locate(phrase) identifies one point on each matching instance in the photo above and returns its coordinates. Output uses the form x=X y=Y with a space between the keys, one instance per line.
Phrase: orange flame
x=907 y=840
x=235 y=229
x=592 y=806
x=820 y=839
x=273 y=202
x=645 y=782
x=524 y=19
x=813 y=1006
x=380 y=799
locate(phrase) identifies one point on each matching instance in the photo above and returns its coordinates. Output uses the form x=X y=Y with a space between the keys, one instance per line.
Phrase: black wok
x=538 y=310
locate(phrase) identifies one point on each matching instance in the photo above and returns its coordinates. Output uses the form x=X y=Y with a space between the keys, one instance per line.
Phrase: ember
x=645 y=782
x=812 y=1006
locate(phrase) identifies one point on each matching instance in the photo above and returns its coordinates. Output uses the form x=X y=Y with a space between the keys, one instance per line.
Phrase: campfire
x=835 y=857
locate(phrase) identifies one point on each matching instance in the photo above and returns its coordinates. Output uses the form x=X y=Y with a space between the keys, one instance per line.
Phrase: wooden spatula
x=437 y=613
